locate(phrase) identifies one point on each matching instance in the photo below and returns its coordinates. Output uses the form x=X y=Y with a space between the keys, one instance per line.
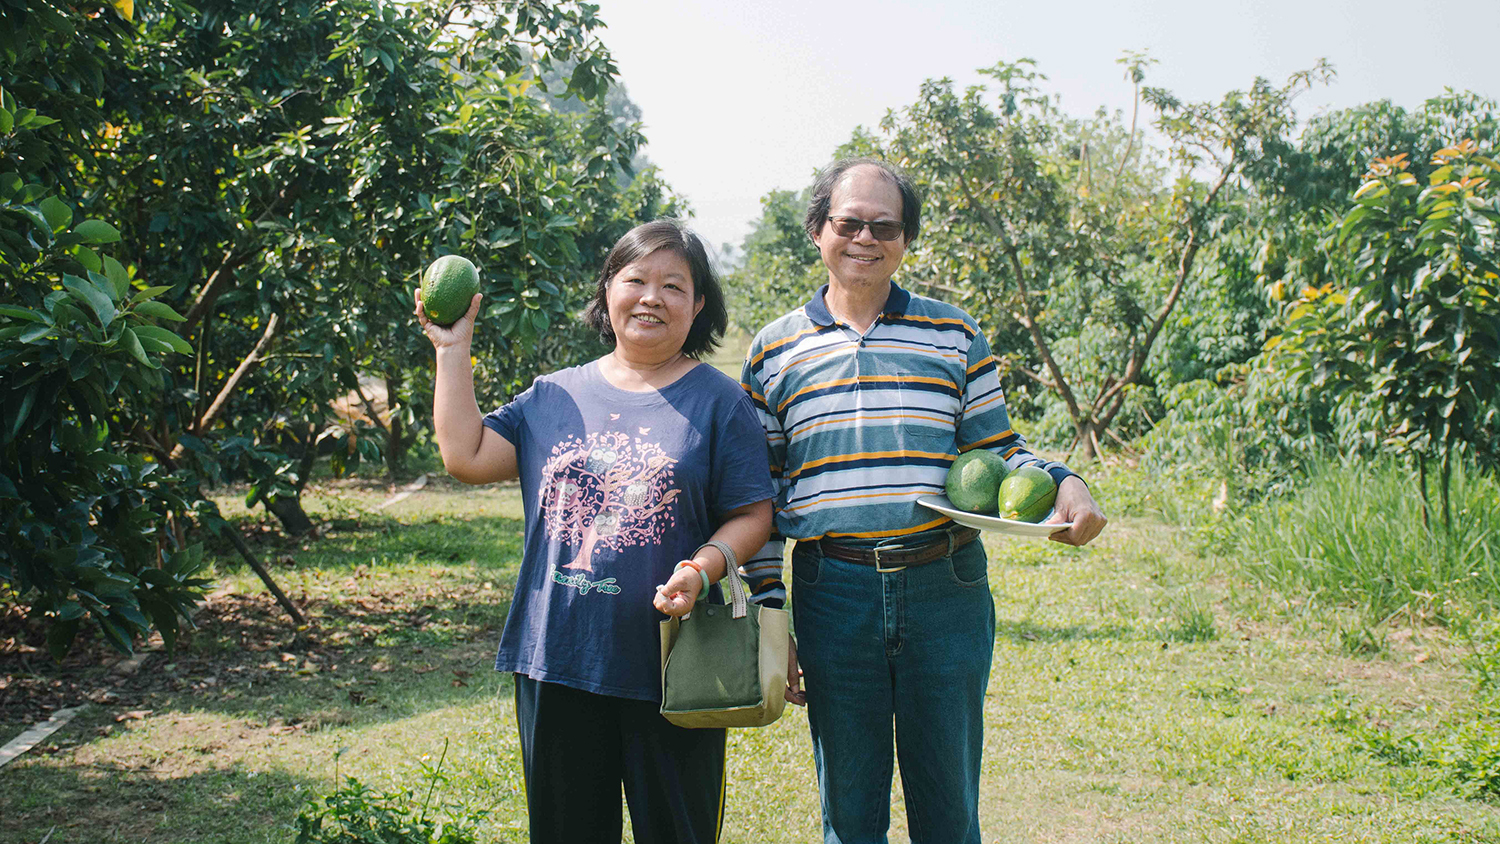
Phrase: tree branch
x=370 y=407
x=245 y=366
x=1134 y=112
x=265 y=576
x=219 y=279
x=1036 y=377
x=217 y=282
x=1136 y=363
x=1029 y=323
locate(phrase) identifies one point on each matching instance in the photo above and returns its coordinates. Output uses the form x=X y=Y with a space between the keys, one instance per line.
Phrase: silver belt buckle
x=881 y=569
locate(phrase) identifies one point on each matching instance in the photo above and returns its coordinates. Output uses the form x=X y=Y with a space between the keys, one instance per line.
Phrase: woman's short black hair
x=708 y=327
x=822 y=195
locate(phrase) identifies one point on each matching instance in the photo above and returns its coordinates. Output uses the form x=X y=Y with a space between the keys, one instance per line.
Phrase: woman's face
x=652 y=305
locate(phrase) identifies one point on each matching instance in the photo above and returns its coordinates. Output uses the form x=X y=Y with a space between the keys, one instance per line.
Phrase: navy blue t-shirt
x=618 y=486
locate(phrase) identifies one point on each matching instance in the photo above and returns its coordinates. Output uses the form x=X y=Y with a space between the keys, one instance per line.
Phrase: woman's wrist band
x=695 y=567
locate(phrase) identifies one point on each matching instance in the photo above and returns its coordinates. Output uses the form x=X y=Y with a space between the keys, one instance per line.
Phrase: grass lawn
x=1140 y=693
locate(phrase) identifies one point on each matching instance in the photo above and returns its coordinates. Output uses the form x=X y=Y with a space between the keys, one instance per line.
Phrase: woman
x=628 y=466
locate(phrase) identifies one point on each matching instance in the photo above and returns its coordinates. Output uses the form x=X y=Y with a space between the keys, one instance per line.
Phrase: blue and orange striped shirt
x=859 y=426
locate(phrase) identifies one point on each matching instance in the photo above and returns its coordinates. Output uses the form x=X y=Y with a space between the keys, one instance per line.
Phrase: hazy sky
x=742 y=97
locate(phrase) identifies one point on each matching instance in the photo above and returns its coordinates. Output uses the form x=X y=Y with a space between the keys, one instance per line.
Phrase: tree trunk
x=395 y=450
x=1422 y=482
x=288 y=510
x=309 y=456
x=396 y=443
x=1086 y=444
x=1447 y=482
x=265 y=576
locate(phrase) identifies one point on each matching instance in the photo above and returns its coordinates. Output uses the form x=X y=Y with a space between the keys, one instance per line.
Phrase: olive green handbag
x=724 y=665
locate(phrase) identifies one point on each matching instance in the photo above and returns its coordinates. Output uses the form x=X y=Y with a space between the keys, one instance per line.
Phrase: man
x=867 y=393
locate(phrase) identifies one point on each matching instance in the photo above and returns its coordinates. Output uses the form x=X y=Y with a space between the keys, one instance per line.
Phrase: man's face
x=859 y=260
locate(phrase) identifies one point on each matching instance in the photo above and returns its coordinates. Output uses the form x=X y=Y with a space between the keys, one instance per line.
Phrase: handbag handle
x=737 y=592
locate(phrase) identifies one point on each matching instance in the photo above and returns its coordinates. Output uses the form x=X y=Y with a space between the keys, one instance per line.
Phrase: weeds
x=1362 y=639
x=1460 y=755
x=1354 y=535
x=1484 y=658
x=353 y=814
x=1194 y=621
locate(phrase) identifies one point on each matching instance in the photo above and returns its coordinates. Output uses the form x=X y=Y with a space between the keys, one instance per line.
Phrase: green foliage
x=319 y=155
x=1070 y=240
x=1484 y=658
x=1252 y=419
x=1353 y=535
x=1417 y=328
x=1182 y=499
x=1316 y=174
x=1459 y=756
x=782 y=267
x=354 y=814
x=1225 y=318
x=1255 y=434
x=281 y=172
x=82 y=353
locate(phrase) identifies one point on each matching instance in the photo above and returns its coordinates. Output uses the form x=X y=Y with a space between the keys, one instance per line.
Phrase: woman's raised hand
x=460 y=333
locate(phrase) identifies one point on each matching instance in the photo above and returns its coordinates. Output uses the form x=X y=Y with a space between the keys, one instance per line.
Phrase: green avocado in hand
x=448 y=286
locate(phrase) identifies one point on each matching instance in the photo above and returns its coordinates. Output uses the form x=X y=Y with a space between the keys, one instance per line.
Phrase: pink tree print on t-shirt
x=607 y=490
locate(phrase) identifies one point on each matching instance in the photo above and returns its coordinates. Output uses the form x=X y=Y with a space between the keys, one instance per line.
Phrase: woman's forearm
x=745 y=530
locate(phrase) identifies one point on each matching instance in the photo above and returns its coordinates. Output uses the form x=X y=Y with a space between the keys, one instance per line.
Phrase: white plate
x=941 y=504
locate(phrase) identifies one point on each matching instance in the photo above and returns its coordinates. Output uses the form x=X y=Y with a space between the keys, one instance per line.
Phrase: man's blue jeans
x=909 y=649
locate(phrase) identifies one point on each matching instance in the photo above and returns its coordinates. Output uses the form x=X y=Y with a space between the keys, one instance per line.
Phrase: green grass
x=1353 y=535
x=1141 y=692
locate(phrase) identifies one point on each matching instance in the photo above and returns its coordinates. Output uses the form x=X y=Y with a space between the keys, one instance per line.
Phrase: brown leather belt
x=888 y=559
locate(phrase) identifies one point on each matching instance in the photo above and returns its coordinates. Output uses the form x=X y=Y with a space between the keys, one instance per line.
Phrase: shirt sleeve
x=985 y=423
x=506 y=419
x=763 y=569
x=742 y=472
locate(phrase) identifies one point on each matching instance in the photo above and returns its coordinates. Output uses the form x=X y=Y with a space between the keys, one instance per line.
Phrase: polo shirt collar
x=817 y=307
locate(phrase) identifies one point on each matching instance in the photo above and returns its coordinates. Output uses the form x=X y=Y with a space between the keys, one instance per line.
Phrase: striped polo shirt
x=860 y=425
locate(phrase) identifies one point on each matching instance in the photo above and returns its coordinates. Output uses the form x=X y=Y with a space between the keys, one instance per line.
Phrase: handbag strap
x=737 y=592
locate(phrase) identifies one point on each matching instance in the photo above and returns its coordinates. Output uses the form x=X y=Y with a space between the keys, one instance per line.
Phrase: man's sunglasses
x=851 y=226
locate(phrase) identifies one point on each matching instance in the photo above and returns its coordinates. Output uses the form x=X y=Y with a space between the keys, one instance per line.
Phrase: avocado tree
x=1055 y=224
x=1412 y=318
x=83 y=347
x=275 y=176
x=292 y=167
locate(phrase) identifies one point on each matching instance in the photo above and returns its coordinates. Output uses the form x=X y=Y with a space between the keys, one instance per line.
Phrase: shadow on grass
x=375 y=538
x=382 y=650
x=404 y=621
x=1024 y=631
x=83 y=804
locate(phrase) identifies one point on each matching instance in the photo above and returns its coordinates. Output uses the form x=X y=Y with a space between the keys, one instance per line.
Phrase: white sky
x=743 y=96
